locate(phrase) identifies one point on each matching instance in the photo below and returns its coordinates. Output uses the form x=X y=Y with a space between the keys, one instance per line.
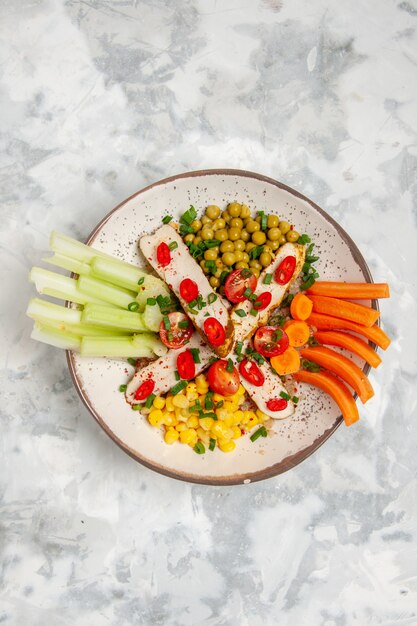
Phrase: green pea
x=252 y=226
x=234 y=234
x=272 y=221
x=292 y=236
x=219 y=224
x=212 y=212
x=211 y=254
x=265 y=259
x=284 y=227
x=226 y=216
x=255 y=264
x=282 y=240
x=203 y=267
x=259 y=238
x=241 y=265
x=238 y=255
x=206 y=220
x=227 y=246
x=207 y=233
x=221 y=234
x=249 y=246
x=255 y=271
x=239 y=244
x=246 y=257
x=197 y=240
x=244 y=235
x=214 y=282
x=236 y=222
x=228 y=258
x=234 y=209
x=189 y=238
x=244 y=211
x=196 y=225
x=274 y=234
x=274 y=245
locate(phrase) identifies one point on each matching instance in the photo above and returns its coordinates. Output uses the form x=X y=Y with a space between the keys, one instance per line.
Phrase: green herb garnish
x=229 y=366
x=122 y=388
x=189 y=216
x=149 y=400
x=285 y=395
x=133 y=306
x=141 y=280
x=179 y=387
x=212 y=297
x=267 y=279
x=212 y=444
x=151 y=301
x=132 y=361
x=199 y=447
x=173 y=245
x=261 y=432
x=240 y=312
x=310 y=366
x=196 y=354
x=303 y=239
x=166 y=219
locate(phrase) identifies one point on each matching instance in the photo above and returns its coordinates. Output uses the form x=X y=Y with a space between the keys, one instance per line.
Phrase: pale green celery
x=59 y=286
x=106 y=316
x=152 y=341
x=117 y=347
x=69 y=247
x=154 y=288
x=68 y=263
x=106 y=292
x=152 y=317
x=118 y=273
x=54 y=337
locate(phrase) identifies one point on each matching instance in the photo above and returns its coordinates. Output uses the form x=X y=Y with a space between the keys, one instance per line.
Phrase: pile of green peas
x=238 y=233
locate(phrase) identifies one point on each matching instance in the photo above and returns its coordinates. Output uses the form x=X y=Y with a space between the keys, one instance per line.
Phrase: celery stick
x=59 y=286
x=68 y=263
x=115 y=347
x=106 y=292
x=152 y=317
x=154 y=288
x=150 y=340
x=54 y=337
x=69 y=247
x=117 y=273
x=116 y=318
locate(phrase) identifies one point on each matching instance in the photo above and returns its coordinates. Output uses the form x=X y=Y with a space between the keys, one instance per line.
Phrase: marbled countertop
x=100 y=98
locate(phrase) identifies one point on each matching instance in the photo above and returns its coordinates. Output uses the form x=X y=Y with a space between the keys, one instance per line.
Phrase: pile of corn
x=181 y=423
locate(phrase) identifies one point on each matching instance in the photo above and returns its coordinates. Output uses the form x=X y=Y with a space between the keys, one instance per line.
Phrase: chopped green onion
x=141 y=280
x=306 y=268
x=287 y=300
x=133 y=306
x=245 y=273
x=177 y=376
x=311 y=259
x=212 y=416
x=184 y=324
x=313 y=342
x=239 y=347
x=151 y=301
x=200 y=302
x=179 y=387
x=199 y=447
x=166 y=219
x=253 y=312
x=295 y=399
x=212 y=243
x=267 y=279
x=149 y=400
x=132 y=361
x=261 y=432
x=240 y=312
x=240 y=358
x=219 y=404
x=212 y=297
x=274 y=371
x=122 y=388
x=196 y=354
x=248 y=292
x=137 y=407
x=257 y=303
x=256 y=252
x=277 y=335
x=212 y=444
x=211 y=266
x=229 y=366
x=310 y=366
x=173 y=245
x=304 y=239
x=189 y=216
x=258 y=357
x=223 y=276
x=208 y=403
x=196 y=406
x=192 y=310
x=253 y=297
x=308 y=283
x=167 y=323
x=264 y=220
x=285 y=395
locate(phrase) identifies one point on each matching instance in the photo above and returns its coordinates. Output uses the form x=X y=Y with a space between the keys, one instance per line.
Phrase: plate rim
x=288 y=462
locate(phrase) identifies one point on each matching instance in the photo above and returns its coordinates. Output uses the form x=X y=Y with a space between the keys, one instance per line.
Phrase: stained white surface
x=101 y=98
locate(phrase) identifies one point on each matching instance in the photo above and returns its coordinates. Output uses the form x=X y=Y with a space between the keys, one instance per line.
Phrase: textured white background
x=100 y=98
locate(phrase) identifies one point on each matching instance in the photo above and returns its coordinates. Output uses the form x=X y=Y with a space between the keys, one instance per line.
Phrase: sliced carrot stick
x=327 y=322
x=336 y=389
x=298 y=332
x=357 y=313
x=342 y=367
x=300 y=307
x=351 y=291
x=354 y=344
x=286 y=363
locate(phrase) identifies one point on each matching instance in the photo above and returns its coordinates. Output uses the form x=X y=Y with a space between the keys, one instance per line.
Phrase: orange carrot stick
x=326 y=322
x=351 y=291
x=298 y=332
x=354 y=344
x=300 y=307
x=336 y=389
x=342 y=367
x=286 y=363
x=357 y=313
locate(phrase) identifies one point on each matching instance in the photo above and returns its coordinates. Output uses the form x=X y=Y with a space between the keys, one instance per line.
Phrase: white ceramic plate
x=98 y=380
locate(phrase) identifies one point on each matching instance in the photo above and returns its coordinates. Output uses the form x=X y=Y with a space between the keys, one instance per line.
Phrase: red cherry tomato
x=277 y=404
x=251 y=372
x=215 y=332
x=163 y=254
x=221 y=381
x=188 y=290
x=186 y=365
x=145 y=389
x=237 y=282
x=175 y=337
x=262 y=301
x=285 y=270
x=270 y=341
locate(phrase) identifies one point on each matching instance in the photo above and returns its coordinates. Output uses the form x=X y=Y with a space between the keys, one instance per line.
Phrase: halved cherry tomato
x=188 y=290
x=285 y=270
x=215 y=332
x=251 y=372
x=221 y=381
x=186 y=365
x=270 y=341
x=163 y=254
x=237 y=282
x=145 y=389
x=175 y=337
x=277 y=404
x=262 y=301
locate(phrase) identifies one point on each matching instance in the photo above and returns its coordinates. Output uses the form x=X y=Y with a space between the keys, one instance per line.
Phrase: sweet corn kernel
x=202 y=390
x=181 y=427
x=228 y=421
x=241 y=391
x=201 y=379
x=159 y=402
x=168 y=403
x=169 y=420
x=217 y=397
x=180 y=402
x=206 y=423
x=237 y=417
x=226 y=446
x=253 y=421
x=171 y=436
x=229 y=407
x=192 y=422
x=221 y=414
x=236 y=432
x=155 y=417
x=221 y=430
x=191 y=387
x=203 y=436
x=188 y=436
x=191 y=395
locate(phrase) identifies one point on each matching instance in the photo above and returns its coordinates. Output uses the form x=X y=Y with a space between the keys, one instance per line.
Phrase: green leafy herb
x=133 y=306
x=258 y=357
x=219 y=404
x=303 y=239
x=311 y=259
x=196 y=407
x=196 y=354
x=200 y=302
x=276 y=335
x=223 y=276
x=166 y=219
x=212 y=444
x=149 y=400
x=185 y=230
x=211 y=266
x=179 y=387
x=310 y=366
x=307 y=283
x=199 y=447
x=267 y=279
x=212 y=416
x=240 y=312
x=122 y=388
x=261 y=432
x=208 y=402
x=253 y=312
